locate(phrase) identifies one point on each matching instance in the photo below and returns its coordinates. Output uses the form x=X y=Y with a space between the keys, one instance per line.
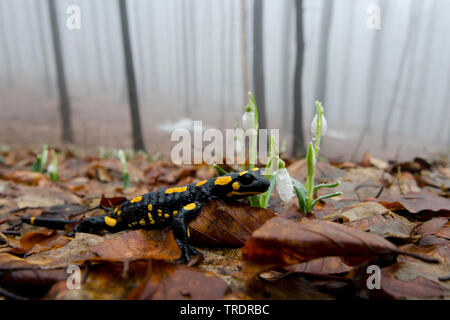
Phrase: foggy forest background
x=197 y=59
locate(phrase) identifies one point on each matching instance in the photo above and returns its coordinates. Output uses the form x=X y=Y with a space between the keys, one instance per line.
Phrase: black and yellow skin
x=175 y=206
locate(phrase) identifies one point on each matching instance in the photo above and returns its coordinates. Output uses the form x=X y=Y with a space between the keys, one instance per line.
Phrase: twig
x=11 y=295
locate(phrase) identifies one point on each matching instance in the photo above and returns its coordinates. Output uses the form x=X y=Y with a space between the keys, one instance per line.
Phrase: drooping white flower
x=248 y=119
x=314 y=125
x=284 y=185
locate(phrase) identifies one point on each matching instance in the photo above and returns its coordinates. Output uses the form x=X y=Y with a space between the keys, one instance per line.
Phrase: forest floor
x=393 y=220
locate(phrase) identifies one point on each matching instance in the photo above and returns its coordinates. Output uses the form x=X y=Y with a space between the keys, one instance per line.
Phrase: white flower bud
x=314 y=125
x=284 y=185
x=248 y=119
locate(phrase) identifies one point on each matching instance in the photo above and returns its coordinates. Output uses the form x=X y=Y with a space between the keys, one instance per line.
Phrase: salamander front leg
x=181 y=231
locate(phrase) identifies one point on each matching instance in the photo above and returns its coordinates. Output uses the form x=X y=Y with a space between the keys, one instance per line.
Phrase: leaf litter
x=400 y=225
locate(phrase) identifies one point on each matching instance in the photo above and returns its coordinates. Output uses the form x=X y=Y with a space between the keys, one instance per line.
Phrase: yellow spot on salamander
x=159 y=212
x=150 y=207
x=223 y=180
x=190 y=206
x=175 y=212
x=236 y=186
x=137 y=199
x=255 y=169
x=243 y=172
x=142 y=222
x=166 y=215
x=177 y=189
x=188 y=233
x=32 y=220
x=110 y=221
x=200 y=183
x=150 y=217
x=115 y=210
x=119 y=212
x=152 y=221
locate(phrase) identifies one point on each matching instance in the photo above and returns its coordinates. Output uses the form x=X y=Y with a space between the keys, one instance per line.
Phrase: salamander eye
x=246 y=179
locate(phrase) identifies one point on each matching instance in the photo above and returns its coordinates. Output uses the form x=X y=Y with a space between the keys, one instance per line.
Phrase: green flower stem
x=123 y=162
x=254 y=147
x=310 y=164
x=319 y=109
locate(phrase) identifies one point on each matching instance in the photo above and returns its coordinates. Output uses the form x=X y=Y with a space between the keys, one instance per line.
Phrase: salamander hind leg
x=181 y=231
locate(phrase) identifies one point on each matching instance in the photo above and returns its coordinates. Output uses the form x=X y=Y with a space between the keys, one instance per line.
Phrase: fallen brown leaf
x=178 y=282
x=131 y=245
x=227 y=223
x=417 y=202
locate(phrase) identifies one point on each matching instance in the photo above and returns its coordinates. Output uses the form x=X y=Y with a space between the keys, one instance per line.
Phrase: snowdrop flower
x=314 y=125
x=284 y=185
x=248 y=119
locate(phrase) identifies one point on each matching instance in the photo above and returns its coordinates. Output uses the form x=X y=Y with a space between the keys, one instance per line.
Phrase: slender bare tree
x=5 y=49
x=64 y=101
x=98 y=44
x=424 y=69
x=138 y=141
x=244 y=49
x=373 y=76
x=347 y=61
x=285 y=74
x=415 y=10
x=185 y=50
x=298 y=139
x=258 y=61
x=322 y=72
x=39 y=9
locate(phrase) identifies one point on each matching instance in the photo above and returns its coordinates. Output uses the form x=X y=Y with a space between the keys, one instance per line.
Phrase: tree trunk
x=321 y=79
x=64 y=102
x=223 y=66
x=420 y=102
x=39 y=7
x=285 y=74
x=5 y=51
x=244 y=48
x=299 y=143
x=131 y=80
x=98 y=45
x=372 y=80
x=415 y=11
x=184 y=35
x=193 y=51
x=347 y=63
x=258 y=62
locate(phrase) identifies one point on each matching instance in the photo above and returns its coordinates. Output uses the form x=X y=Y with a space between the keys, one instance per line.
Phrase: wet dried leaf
x=417 y=202
x=178 y=282
x=227 y=223
x=417 y=288
x=136 y=244
x=283 y=242
x=327 y=265
x=26 y=177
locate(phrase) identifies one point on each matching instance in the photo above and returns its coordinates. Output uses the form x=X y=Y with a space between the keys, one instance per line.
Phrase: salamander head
x=240 y=184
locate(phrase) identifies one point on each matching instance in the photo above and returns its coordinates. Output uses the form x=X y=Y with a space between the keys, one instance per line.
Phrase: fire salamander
x=173 y=206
